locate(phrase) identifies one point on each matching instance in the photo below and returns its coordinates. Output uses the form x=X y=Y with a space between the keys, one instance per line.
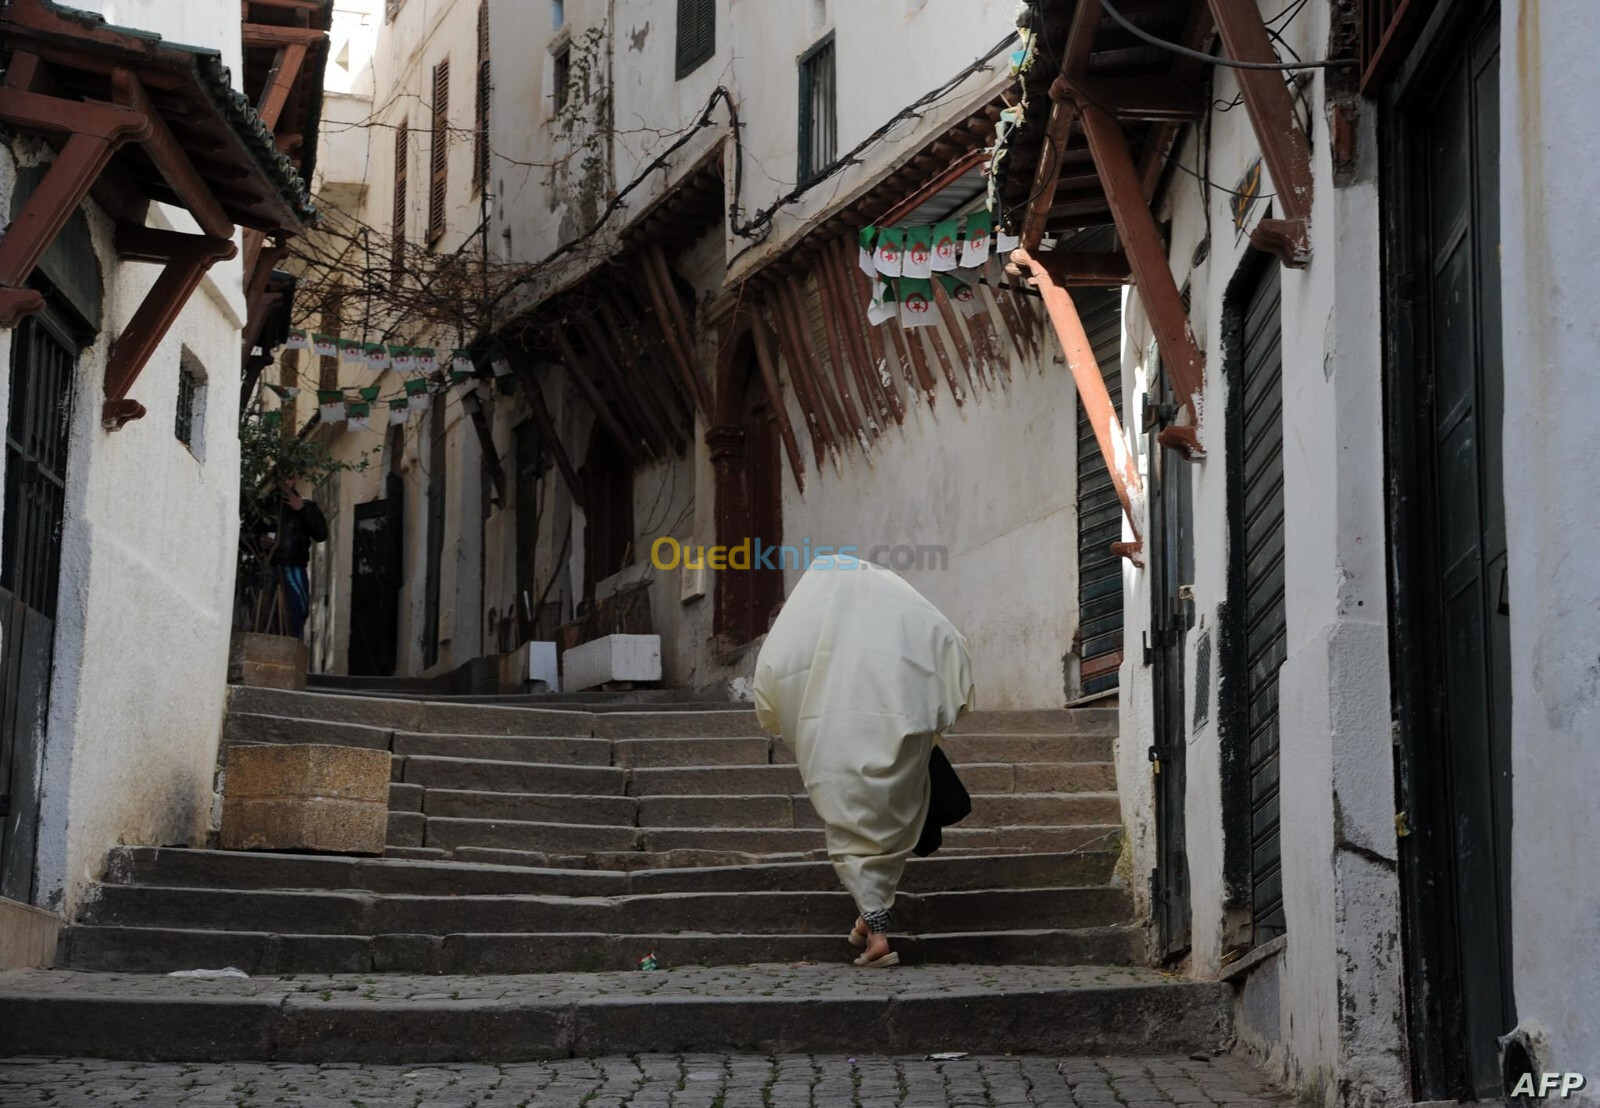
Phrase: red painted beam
x=171 y=159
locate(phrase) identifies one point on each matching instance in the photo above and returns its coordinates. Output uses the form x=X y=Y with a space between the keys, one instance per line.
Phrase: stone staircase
x=557 y=846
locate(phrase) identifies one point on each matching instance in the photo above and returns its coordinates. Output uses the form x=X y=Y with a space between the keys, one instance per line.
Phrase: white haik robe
x=860 y=675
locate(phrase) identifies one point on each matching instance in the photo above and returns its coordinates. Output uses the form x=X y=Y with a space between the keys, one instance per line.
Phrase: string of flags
x=356 y=412
x=904 y=263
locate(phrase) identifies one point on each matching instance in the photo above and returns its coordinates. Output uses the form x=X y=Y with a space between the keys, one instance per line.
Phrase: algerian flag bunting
x=402 y=358
x=399 y=412
x=330 y=405
x=325 y=345
x=891 y=241
x=358 y=417
x=353 y=352
x=965 y=295
x=501 y=365
x=426 y=359
x=918 y=260
x=946 y=245
x=864 y=257
x=460 y=365
x=916 y=302
x=297 y=339
x=1005 y=243
x=377 y=356
x=369 y=393
x=975 y=249
x=883 y=307
x=417 y=396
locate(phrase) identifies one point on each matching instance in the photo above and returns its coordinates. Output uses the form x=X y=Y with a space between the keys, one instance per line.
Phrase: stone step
x=529 y=777
x=979 y=777
x=967 y=749
x=681 y=725
x=409 y=1020
x=1039 y=721
x=543 y=750
x=988 y=810
x=164 y=950
x=220 y=869
x=726 y=750
x=327 y=912
x=430 y=716
x=698 y=858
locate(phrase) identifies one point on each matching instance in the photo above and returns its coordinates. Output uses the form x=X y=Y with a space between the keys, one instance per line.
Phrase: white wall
x=1549 y=175
x=147 y=558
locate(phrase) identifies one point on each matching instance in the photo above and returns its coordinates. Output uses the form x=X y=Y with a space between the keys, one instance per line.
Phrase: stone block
x=28 y=936
x=329 y=799
x=268 y=661
x=612 y=658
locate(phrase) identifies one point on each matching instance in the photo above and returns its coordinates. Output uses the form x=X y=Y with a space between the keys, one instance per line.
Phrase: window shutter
x=480 y=148
x=402 y=160
x=441 y=151
x=697 y=33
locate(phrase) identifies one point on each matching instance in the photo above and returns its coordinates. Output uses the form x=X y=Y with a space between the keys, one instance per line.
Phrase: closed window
x=402 y=161
x=819 y=129
x=697 y=34
x=439 y=190
x=561 y=77
x=480 y=113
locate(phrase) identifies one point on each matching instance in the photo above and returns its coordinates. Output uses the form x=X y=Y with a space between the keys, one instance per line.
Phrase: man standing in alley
x=299 y=524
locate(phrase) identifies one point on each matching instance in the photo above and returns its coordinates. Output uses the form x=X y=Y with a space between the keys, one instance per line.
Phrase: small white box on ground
x=612 y=658
x=542 y=665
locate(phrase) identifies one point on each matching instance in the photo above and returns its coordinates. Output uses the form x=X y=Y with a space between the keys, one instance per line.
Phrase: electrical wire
x=1211 y=59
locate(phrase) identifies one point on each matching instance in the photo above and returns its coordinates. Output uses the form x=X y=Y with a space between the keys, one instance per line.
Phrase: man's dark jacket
x=297 y=530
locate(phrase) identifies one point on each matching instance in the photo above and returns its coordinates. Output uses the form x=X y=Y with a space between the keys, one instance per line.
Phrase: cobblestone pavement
x=652 y=1081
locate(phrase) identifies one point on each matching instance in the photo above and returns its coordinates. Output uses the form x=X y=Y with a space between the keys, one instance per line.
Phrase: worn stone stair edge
x=971 y=1012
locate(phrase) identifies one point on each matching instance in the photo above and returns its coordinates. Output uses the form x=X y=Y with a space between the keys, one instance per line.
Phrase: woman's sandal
x=889 y=959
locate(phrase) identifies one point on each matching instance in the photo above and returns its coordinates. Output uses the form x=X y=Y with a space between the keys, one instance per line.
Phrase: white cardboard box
x=612 y=658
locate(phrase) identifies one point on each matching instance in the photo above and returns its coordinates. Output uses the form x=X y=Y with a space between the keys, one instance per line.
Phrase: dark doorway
x=749 y=463
x=1256 y=624
x=376 y=567
x=1170 y=546
x=432 y=582
x=607 y=481
x=1450 y=631
x=1099 y=509
x=43 y=358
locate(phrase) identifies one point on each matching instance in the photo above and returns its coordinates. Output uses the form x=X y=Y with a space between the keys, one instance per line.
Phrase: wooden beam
x=1079 y=268
x=956 y=170
x=674 y=329
x=1063 y=116
x=1163 y=99
x=1121 y=462
x=267 y=34
x=602 y=410
x=170 y=159
x=1283 y=143
x=845 y=418
x=1147 y=257
x=767 y=362
x=639 y=408
x=845 y=350
x=188 y=259
x=547 y=426
x=810 y=405
x=856 y=287
x=280 y=83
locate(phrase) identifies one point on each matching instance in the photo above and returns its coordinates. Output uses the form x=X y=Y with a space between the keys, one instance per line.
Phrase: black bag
x=948 y=803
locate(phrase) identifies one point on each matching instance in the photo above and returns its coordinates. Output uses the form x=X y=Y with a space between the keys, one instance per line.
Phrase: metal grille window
x=819 y=120
x=480 y=121
x=188 y=397
x=36 y=464
x=697 y=34
x=440 y=183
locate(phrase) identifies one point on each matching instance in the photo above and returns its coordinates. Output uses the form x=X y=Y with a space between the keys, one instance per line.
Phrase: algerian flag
x=946 y=245
x=402 y=358
x=297 y=339
x=399 y=412
x=916 y=302
x=883 y=307
x=975 y=250
x=425 y=359
x=377 y=356
x=417 y=396
x=864 y=259
x=965 y=295
x=1005 y=243
x=330 y=405
x=369 y=393
x=887 y=257
x=500 y=364
x=353 y=352
x=358 y=417
x=460 y=365
x=325 y=345
x=918 y=260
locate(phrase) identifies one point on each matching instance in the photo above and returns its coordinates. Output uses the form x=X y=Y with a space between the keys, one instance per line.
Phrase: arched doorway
x=747 y=452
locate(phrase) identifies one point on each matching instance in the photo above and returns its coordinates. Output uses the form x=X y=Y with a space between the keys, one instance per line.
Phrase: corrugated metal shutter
x=1099 y=510
x=1260 y=424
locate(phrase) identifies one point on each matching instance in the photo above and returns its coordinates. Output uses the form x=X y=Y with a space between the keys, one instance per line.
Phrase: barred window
x=819 y=128
x=189 y=420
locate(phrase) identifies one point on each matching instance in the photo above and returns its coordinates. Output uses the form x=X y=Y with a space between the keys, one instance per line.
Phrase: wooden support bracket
x=170 y=157
x=187 y=258
x=547 y=428
x=1147 y=257
x=602 y=410
x=1092 y=393
x=767 y=362
x=1272 y=113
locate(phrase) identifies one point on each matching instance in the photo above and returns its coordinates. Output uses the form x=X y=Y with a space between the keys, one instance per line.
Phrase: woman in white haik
x=860 y=675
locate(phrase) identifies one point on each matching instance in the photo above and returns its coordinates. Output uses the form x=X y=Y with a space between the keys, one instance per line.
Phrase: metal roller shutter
x=1099 y=510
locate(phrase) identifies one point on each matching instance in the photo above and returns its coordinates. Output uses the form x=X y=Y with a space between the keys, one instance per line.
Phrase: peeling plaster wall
x=1339 y=1035
x=1549 y=174
x=143 y=622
